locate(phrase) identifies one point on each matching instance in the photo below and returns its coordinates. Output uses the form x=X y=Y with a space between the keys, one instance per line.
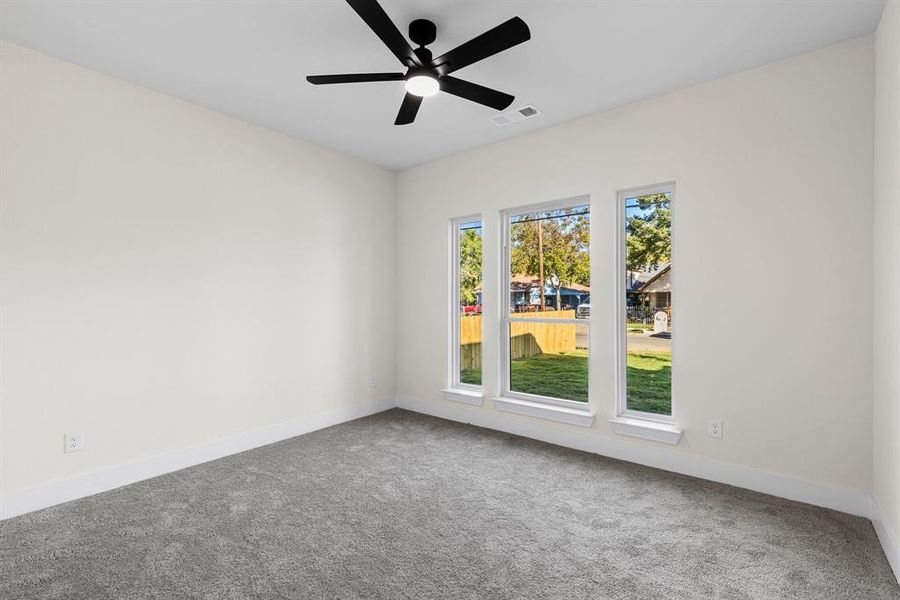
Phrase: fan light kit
x=422 y=85
x=426 y=76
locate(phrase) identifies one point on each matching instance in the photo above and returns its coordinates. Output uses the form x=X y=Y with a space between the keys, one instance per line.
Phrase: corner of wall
x=886 y=308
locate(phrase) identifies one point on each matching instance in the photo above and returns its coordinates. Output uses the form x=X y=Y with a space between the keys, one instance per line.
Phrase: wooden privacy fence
x=526 y=339
x=470 y=342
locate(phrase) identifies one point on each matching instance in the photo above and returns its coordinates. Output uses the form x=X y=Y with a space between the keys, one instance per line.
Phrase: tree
x=558 y=241
x=470 y=249
x=648 y=233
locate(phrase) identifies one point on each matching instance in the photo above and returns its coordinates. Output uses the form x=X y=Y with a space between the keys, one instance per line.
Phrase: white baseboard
x=889 y=540
x=849 y=500
x=94 y=482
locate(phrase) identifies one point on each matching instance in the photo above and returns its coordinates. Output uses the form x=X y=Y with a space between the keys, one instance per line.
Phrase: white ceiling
x=249 y=58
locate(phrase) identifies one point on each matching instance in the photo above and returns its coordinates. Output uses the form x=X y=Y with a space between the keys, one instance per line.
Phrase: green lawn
x=566 y=376
x=649 y=376
x=554 y=375
x=470 y=376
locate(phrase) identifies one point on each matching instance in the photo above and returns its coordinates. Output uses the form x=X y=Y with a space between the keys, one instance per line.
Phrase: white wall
x=772 y=276
x=172 y=276
x=886 y=455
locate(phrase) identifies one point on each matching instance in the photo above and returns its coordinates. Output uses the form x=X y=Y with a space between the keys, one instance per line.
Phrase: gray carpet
x=400 y=505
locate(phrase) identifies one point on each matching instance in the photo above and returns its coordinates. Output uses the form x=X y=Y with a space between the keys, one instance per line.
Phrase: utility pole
x=540 y=232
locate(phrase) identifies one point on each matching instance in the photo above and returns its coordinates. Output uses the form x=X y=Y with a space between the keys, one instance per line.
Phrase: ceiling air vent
x=509 y=117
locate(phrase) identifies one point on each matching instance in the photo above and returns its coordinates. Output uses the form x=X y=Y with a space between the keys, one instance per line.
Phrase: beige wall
x=886 y=410
x=774 y=184
x=172 y=276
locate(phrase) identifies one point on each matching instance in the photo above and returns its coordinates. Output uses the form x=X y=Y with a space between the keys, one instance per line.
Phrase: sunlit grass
x=470 y=376
x=554 y=375
x=649 y=376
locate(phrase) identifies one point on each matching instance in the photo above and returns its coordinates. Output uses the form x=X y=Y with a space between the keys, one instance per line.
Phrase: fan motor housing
x=422 y=32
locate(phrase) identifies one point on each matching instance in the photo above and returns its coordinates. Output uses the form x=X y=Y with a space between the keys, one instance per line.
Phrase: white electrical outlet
x=714 y=428
x=372 y=381
x=74 y=441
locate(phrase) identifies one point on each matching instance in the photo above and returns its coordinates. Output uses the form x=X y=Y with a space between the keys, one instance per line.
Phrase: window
x=646 y=300
x=465 y=302
x=546 y=318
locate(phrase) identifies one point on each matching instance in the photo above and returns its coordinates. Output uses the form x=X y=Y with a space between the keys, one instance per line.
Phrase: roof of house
x=655 y=276
x=523 y=283
x=638 y=279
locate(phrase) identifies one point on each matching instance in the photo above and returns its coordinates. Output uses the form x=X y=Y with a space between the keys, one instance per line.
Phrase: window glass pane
x=550 y=266
x=549 y=278
x=469 y=322
x=549 y=359
x=648 y=303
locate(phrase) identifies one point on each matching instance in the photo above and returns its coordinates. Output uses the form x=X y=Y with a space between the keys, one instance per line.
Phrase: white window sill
x=466 y=396
x=648 y=430
x=560 y=414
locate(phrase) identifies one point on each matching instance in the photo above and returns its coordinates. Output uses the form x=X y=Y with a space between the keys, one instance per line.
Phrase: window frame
x=506 y=317
x=453 y=379
x=622 y=409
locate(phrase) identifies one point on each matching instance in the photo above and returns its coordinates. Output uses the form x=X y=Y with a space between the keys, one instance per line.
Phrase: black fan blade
x=355 y=78
x=475 y=93
x=408 y=109
x=378 y=21
x=500 y=38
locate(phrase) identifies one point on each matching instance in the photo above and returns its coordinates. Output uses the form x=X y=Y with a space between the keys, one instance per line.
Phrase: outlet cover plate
x=74 y=441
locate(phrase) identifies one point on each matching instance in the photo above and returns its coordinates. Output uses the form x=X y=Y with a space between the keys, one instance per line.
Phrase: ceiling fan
x=426 y=76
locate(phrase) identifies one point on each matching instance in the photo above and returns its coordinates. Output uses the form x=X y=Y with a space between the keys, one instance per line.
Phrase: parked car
x=583 y=310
